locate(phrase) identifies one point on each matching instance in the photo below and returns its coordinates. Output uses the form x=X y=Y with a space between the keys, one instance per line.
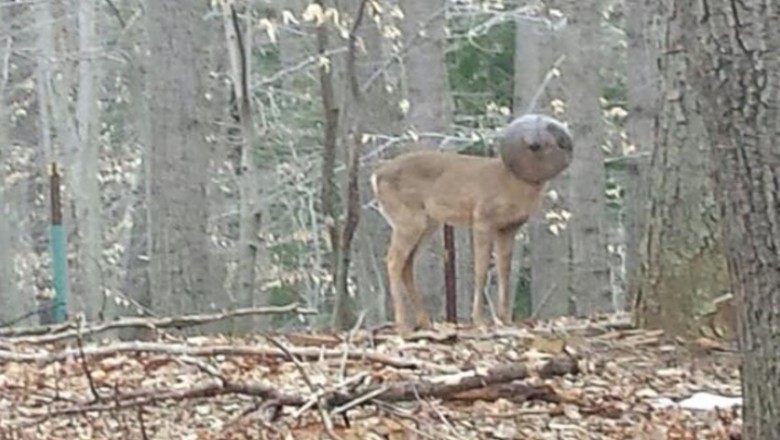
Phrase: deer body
x=418 y=191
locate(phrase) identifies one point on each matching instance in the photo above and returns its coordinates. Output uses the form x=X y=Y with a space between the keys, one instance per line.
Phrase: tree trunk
x=89 y=212
x=430 y=112
x=537 y=48
x=643 y=89
x=683 y=261
x=240 y=50
x=135 y=284
x=581 y=81
x=12 y=304
x=738 y=79
x=179 y=158
x=381 y=116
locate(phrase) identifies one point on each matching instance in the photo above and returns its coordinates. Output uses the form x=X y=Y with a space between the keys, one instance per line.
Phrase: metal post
x=449 y=275
x=59 y=254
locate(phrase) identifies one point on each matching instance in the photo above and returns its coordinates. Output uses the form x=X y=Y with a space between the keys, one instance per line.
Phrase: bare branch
x=54 y=333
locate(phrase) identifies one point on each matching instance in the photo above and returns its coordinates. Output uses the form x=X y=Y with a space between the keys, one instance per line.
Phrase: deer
x=418 y=191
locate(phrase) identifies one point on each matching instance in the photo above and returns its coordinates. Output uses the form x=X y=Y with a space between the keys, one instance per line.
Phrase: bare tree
x=430 y=115
x=240 y=52
x=537 y=50
x=643 y=88
x=8 y=292
x=89 y=205
x=582 y=87
x=179 y=154
x=737 y=77
x=683 y=261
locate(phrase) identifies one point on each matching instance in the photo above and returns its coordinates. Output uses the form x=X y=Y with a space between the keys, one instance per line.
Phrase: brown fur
x=493 y=196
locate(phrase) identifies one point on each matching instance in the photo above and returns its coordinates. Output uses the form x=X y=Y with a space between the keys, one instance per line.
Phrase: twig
x=547 y=78
x=326 y=420
x=308 y=61
x=348 y=343
x=84 y=366
x=354 y=380
x=360 y=400
x=141 y=423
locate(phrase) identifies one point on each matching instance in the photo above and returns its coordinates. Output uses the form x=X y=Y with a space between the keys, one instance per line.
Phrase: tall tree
x=429 y=114
x=178 y=157
x=7 y=289
x=642 y=88
x=738 y=79
x=582 y=87
x=88 y=194
x=537 y=48
x=239 y=44
x=683 y=261
x=381 y=117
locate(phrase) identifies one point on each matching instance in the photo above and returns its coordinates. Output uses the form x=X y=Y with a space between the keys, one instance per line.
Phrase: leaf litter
x=568 y=378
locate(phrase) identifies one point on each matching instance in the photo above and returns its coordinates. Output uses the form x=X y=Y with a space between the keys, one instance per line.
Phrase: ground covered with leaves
x=567 y=379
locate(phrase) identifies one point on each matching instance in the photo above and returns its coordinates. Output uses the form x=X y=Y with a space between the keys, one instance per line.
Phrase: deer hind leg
x=400 y=272
x=422 y=319
x=482 y=241
x=504 y=242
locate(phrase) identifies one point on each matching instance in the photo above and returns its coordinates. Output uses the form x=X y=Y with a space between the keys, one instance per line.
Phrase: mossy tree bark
x=683 y=262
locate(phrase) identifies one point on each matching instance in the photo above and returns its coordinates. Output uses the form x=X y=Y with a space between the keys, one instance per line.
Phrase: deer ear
x=562 y=137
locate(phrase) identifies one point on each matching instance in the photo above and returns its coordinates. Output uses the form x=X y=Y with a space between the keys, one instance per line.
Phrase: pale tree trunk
x=136 y=282
x=380 y=115
x=643 y=90
x=683 y=261
x=88 y=193
x=180 y=275
x=9 y=296
x=738 y=79
x=430 y=111
x=538 y=48
x=240 y=54
x=589 y=268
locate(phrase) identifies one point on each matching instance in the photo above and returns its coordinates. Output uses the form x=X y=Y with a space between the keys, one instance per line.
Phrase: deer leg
x=504 y=242
x=482 y=247
x=422 y=319
x=400 y=254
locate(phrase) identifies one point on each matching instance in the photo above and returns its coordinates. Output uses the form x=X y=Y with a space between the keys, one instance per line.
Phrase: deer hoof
x=423 y=322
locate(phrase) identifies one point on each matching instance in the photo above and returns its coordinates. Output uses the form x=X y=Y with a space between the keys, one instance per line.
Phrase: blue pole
x=59 y=254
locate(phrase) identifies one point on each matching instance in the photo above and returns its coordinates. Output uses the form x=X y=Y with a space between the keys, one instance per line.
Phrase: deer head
x=418 y=191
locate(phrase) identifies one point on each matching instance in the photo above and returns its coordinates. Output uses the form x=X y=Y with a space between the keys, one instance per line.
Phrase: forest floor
x=563 y=379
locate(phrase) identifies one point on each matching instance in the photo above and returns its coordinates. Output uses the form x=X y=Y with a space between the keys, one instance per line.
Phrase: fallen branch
x=52 y=333
x=448 y=387
x=308 y=353
x=466 y=385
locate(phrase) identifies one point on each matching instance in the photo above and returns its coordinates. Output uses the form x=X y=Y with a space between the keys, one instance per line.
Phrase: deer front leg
x=395 y=266
x=504 y=244
x=483 y=242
